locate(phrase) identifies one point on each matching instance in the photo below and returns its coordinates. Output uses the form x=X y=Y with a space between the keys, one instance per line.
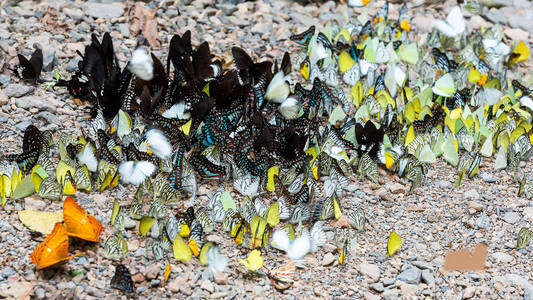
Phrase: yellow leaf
x=40 y=221
x=394 y=243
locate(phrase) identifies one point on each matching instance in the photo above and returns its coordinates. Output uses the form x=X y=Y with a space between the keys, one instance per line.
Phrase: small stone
x=502 y=257
x=516 y=34
x=378 y=287
x=208 y=286
x=427 y=277
x=472 y=195
x=7 y=272
x=443 y=184
x=72 y=65
x=489 y=178
x=388 y=281
x=475 y=206
x=511 y=217
x=408 y=290
x=423 y=23
x=39 y=292
x=137 y=278
x=220 y=278
x=397 y=188
x=219 y=295
x=528 y=213
x=49 y=59
x=370 y=270
x=383 y=194
x=152 y=271
x=305 y=19
x=19 y=290
x=155 y=282
x=18 y=90
x=370 y=296
x=342 y=222
x=469 y=292
x=328 y=259
x=28 y=102
x=174 y=285
x=4 y=79
x=496 y=16
x=34 y=203
x=74 y=13
x=49 y=118
x=410 y=275
x=102 y=10
x=476 y=22
x=141 y=289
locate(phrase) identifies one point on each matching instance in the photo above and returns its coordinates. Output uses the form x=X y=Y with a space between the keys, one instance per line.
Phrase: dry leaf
x=40 y=221
x=463 y=260
x=144 y=22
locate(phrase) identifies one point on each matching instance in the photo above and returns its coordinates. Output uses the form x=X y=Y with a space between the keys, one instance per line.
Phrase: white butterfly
x=177 y=111
x=141 y=64
x=454 y=24
x=295 y=249
x=136 y=172
x=158 y=143
x=290 y=108
x=217 y=261
x=278 y=89
x=86 y=157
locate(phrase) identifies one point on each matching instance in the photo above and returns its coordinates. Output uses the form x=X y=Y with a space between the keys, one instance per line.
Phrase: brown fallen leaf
x=144 y=22
x=463 y=260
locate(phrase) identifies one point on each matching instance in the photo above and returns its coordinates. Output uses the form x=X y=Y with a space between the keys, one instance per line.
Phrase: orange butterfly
x=283 y=277
x=53 y=250
x=79 y=223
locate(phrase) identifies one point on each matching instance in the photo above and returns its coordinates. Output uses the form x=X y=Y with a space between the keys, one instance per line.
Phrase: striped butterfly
x=357 y=219
x=196 y=238
x=368 y=168
x=283 y=277
x=157 y=209
x=284 y=210
x=300 y=214
x=115 y=247
x=49 y=189
x=82 y=178
x=525 y=236
x=205 y=220
x=160 y=248
x=172 y=227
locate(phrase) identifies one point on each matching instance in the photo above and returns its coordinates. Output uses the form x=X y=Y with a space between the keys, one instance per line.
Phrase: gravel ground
x=435 y=219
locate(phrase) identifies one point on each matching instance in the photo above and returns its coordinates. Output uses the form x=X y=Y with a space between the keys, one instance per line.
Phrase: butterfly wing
x=53 y=249
x=79 y=223
x=122 y=279
x=36 y=62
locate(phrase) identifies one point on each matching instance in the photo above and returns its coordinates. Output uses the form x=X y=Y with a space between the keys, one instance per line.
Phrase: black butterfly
x=368 y=138
x=304 y=37
x=249 y=72
x=30 y=69
x=122 y=280
x=33 y=145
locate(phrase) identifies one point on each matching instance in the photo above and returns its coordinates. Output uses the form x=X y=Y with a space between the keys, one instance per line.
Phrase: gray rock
x=511 y=217
x=421 y=264
x=495 y=16
x=427 y=277
x=35 y=102
x=171 y=13
x=49 y=59
x=4 y=79
x=472 y=195
x=388 y=281
x=155 y=282
x=8 y=271
x=124 y=29
x=411 y=275
x=74 y=13
x=444 y=184
x=391 y=294
x=328 y=259
x=502 y=257
x=22 y=125
x=18 y=90
x=66 y=285
x=101 y=10
x=305 y=19
x=43 y=39
x=378 y=287
x=489 y=178
x=39 y=292
x=72 y=65
x=141 y=289
x=49 y=117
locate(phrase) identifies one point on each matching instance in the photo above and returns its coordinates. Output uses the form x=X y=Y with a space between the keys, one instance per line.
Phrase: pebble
x=155 y=282
x=469 y=292
x=397 y=188
x=103 y=10
x=410 y=275
x=370 y=296
x=34 y=203
x=388 y=281
x=39 y=292
x=511 y=217
x=383 y=194
x=489 y=178
x=220 y=278
x=4 y=79
x=208 y=286
x=141 y=289
x=472 y=195
x=475 y=206
x=427 y=277
x=18 y=90
x=496 y=16
x=528 y=213
x=152 y=271
x=21 y=126
x=501 y=257
x=378 y=287
x=370 y=270
x=516 y=34
x=328 y=259
x=444 y=184
x=49 y=118
x=74 y=13
x=28 y=102
x=8 y=271
x=72 y=65
x=49 y=59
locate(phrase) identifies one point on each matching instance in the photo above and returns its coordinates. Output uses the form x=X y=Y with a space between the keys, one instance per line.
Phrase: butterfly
x=254 y=261
x=48 y=189
x=53 y=249
x=30 y=70
x=525 y=236
x=357 y=219
x=249 y=72
x=454 y=24
x=115 y=247
x=79 y=223
x=304 y=38
x=283 y=277
x=122 y=279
